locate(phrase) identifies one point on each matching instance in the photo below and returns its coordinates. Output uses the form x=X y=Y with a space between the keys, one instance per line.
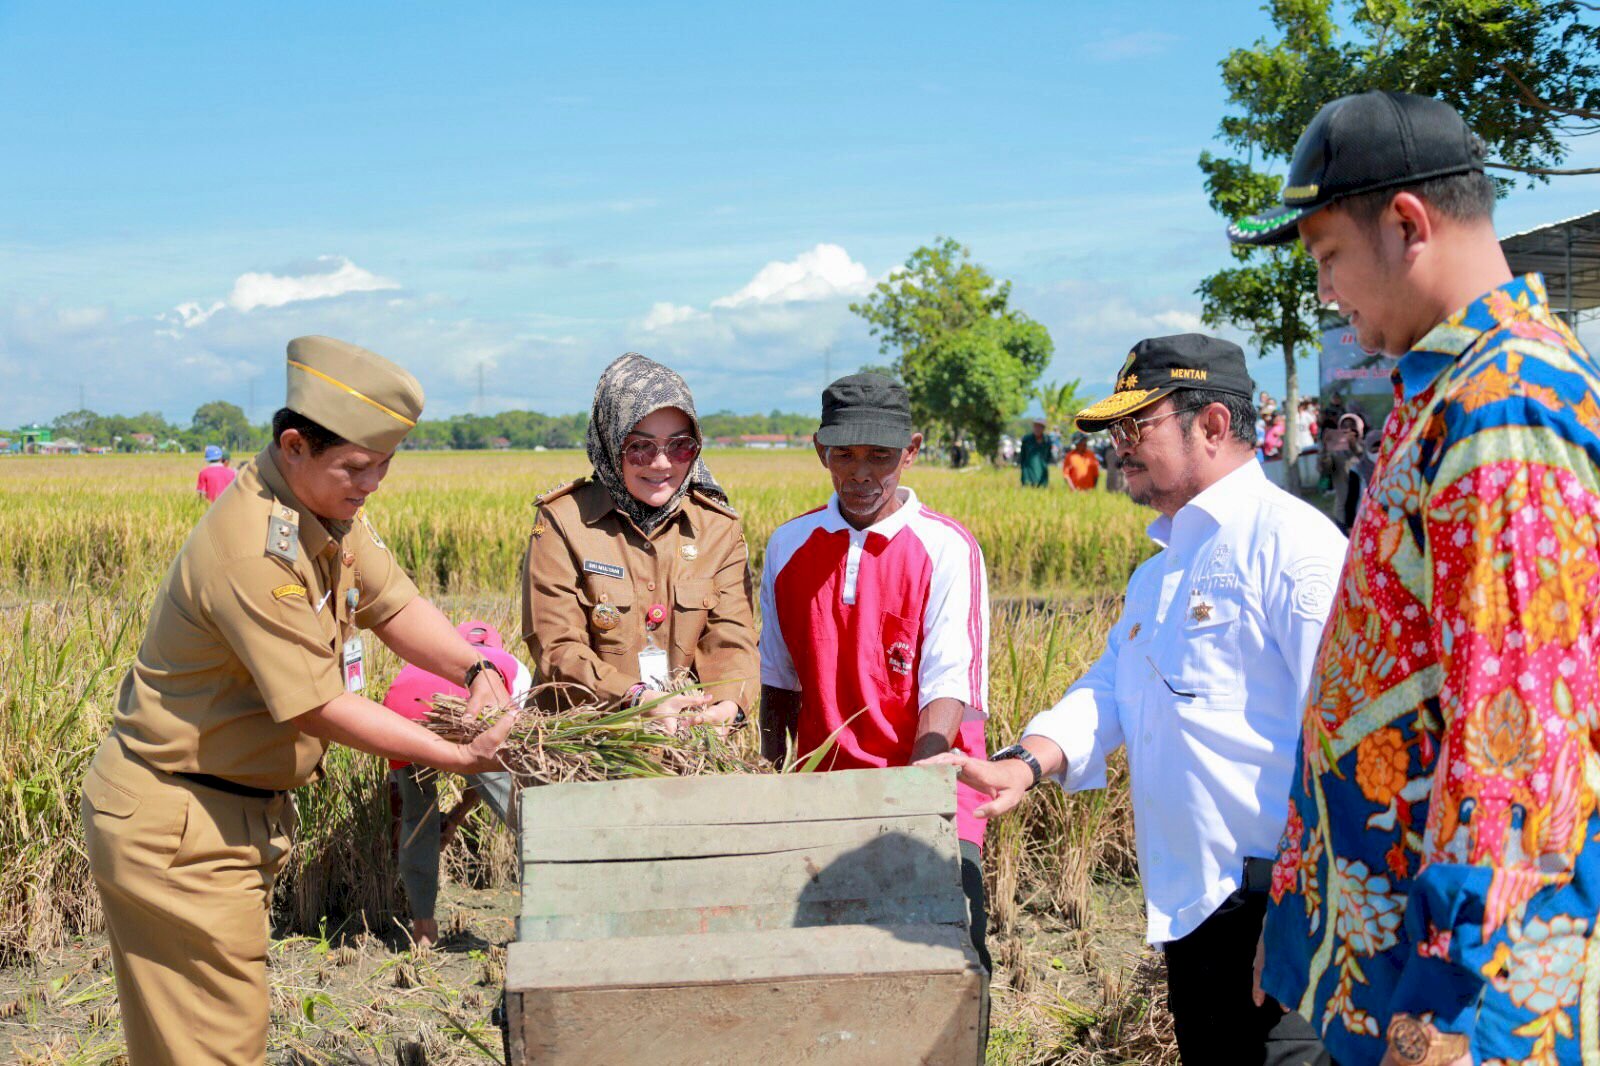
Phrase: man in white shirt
x=1203 y=678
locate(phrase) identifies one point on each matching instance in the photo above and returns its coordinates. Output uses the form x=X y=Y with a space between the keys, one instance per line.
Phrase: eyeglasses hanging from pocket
x=1175 y=691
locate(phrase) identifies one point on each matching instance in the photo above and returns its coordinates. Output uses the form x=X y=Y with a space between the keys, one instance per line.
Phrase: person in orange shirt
x=1080 y=468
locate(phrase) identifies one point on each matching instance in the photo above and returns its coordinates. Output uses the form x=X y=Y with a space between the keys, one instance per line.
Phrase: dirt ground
x=364 y=996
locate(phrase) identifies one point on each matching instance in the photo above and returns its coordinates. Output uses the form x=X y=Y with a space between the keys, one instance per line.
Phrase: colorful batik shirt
x=1442 y=853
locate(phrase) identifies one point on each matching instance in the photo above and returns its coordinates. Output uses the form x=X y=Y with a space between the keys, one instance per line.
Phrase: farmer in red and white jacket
x=878 y=605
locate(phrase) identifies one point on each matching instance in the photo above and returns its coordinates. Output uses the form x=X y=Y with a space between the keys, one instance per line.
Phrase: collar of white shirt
x=1218 y=501
x=833 y=519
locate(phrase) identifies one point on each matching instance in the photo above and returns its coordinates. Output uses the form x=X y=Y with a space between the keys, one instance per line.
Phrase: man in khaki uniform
x=251 y=666
x=591 y=578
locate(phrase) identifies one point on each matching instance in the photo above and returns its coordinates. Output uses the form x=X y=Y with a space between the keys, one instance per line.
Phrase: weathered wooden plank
x=843 y=997
x=612 y=843
x=775 y=954
x=888 y=863
x=941 y=909
x=743 y=798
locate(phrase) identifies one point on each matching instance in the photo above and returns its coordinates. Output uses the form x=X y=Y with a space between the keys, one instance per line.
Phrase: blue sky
x=534 y=190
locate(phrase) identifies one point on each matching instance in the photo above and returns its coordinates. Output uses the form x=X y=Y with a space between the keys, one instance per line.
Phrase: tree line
x=226 y=424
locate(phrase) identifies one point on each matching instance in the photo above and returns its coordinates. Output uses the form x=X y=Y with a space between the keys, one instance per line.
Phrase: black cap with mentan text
x=1363 y=143
x=1160 y=366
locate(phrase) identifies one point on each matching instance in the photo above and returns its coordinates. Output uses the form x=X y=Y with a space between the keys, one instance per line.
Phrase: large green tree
x=220 y=422
x=1525 y=74
x=966 y=357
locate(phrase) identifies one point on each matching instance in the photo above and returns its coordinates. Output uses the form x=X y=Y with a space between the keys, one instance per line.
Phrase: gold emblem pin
x=606 y=618
x=1201 y=612
x=689 y=552
x=1135 y=630
x=538 y=528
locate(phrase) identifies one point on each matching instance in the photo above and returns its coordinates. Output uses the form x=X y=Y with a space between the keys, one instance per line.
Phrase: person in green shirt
x=1035 y=457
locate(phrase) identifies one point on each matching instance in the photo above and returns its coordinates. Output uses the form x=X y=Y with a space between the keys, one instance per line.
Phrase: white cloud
x=251 y=291
x=1181 y=321
x=662 y=315
x=254 y=291
x=822 y=273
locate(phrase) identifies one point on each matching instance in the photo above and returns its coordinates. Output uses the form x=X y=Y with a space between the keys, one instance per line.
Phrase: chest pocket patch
x=1206 y=645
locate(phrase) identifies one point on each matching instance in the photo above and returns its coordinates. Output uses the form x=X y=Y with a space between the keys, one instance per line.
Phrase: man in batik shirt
x=1436 y=888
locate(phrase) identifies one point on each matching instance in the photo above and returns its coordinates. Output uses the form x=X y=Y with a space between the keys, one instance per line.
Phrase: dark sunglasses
x=1128 y=432
x=642 y=451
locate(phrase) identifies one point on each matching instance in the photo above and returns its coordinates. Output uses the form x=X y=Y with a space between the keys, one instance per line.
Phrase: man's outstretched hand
x=1005 y=782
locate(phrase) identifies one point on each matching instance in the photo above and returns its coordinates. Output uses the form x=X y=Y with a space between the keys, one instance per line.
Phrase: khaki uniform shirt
x=588 y=565
x=248 y=631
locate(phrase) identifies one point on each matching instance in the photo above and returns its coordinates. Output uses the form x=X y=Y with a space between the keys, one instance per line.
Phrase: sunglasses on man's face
x=1127 y=432
x=642 y=451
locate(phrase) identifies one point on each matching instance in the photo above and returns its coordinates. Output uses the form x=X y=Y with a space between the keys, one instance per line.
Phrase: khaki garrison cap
x=357 y=394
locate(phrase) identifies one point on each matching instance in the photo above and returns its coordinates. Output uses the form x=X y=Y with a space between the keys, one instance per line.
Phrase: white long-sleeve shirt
x=1203 y=678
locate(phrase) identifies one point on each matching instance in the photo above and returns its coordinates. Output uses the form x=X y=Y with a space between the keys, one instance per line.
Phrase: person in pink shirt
x=215 y=476
x=877 y=602
x=423 y=833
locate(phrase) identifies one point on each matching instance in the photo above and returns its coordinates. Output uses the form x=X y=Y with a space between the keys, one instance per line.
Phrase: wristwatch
x=479 y=667
x=1017 y=751
x=1415 y=1042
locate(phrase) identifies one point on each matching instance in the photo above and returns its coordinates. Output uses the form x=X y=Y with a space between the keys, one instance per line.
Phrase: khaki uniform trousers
x=185 y=876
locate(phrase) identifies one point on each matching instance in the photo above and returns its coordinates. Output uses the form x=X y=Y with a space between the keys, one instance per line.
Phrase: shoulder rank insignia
x=557 y=492
x=283 y=536
x=373 y=533
x=707 y=500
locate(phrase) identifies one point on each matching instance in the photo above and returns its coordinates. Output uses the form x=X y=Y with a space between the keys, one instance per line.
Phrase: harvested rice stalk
x=586 y=741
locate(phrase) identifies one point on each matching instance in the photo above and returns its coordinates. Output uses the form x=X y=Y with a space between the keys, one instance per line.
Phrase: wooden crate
x=795 y=918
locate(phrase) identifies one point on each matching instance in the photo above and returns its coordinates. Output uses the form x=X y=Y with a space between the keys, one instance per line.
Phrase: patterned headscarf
x=630 y=389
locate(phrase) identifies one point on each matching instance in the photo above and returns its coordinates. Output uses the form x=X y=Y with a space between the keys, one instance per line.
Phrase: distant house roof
x=144 y=438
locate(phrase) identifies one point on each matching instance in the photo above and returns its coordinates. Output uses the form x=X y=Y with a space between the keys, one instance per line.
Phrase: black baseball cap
x=1362 y=143
x=865 y=409
x=1160 y=366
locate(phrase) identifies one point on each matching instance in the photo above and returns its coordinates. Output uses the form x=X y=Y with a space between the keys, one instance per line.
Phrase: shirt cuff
x=289 y=705
x=955 y=689
x=1085 y=763
x=400 y=591
x=1440 y=988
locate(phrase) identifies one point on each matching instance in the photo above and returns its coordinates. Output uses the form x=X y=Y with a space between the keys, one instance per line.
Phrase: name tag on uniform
x=355 y=666
x=603 y=569
x=653 y=668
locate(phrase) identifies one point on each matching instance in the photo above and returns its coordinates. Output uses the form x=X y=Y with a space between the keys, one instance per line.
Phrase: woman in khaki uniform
x=252 y=665
x=639 y=573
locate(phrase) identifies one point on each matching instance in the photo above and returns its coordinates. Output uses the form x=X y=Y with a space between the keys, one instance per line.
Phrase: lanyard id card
x=355 y=669
x=653 y=668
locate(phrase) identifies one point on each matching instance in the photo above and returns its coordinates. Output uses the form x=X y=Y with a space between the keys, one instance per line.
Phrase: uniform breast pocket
x=693 y=600
x=1207 y=657
x=608 y=607
x=896 y=656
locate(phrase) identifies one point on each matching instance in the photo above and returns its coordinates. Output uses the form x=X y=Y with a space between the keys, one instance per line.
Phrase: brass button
x=651 y=586
x=605 y=597
x=709 y=602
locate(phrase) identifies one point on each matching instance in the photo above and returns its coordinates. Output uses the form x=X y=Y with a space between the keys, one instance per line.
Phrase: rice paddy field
x=84 y=541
